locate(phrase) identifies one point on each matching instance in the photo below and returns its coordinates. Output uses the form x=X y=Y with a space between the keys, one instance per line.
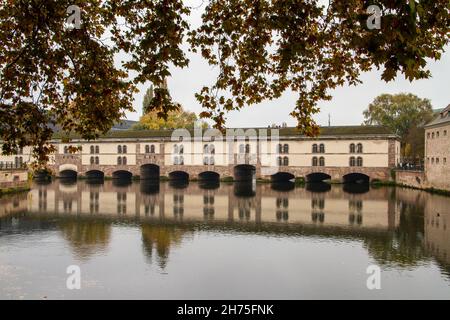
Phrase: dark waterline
x=210 y=240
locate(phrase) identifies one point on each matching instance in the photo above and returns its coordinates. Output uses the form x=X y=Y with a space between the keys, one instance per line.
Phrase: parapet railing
x=410 y=168
x=5 y=165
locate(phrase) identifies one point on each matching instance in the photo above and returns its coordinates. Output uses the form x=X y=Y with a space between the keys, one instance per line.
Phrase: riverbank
x=13 y=181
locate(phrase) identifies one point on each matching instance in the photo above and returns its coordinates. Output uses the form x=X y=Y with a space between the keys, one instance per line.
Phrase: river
x=179 y=240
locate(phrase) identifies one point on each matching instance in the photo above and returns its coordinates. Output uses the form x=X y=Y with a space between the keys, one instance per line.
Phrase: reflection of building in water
x=11 y=204
x=437 y=228
x=228 y=203
x=161 y=238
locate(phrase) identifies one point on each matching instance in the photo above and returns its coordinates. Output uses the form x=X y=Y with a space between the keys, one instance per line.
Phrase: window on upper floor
x=352 y=148
x=97 y=160
x=322 y=161
x=437 y=134
x=147 y=149
x=437 y=160
x=352 y=162
x=152 y=148
x=322 y=148
x=428 y=135
x=359 y=148
x=124 y=149
x=119 y=161
x=359 y=162
x=315 y=148
x=445 y=133
x=286 y=148
x=314 y=161
x=92 y=160
x=119 y=149
x=432 y=135
x=285 y=161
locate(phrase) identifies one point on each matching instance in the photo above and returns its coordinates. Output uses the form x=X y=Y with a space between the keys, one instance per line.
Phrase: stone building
x=437 y=151
x=339 y=153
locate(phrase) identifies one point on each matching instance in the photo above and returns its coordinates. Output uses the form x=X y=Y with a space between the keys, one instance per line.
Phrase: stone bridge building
x=339 y=153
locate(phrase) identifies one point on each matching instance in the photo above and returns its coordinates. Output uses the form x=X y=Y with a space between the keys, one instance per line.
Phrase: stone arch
x=317 y=177
x=282 y=177
x=244 y=172
x=122 y=175
x=179 y=175
x=209 y=176
x=95 y=175
x=356 y=177
x=150 y=172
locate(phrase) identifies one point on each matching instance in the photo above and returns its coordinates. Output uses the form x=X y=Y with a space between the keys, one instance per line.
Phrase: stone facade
x=335 y=155
x=13 y=179
x=437 y=151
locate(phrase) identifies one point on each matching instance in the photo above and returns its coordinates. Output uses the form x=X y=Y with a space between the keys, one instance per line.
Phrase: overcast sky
x=345 y=108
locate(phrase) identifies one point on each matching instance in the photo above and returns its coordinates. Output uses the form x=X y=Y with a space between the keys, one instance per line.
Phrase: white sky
x=345 y=108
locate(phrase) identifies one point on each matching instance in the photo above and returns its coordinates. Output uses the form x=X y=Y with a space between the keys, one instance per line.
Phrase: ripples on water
x=180 y=240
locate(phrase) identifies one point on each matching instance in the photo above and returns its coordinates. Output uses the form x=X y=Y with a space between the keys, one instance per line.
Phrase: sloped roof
x=332 y=131
x=443 y=117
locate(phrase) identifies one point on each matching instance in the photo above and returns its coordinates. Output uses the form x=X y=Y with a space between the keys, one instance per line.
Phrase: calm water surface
x=223 y=241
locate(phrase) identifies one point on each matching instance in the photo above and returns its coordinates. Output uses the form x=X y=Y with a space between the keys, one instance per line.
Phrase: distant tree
x=147 y=100
x=175 y=119
x=405 y=114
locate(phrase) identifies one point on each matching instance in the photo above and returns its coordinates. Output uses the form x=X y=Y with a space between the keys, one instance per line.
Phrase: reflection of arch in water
x=356 y=188
x=179 y=175
x=209 y=184
x=209 y=176
x=150 y=172
x=282 y=177
x=121 y=182
x=149 y=187
x=283 y=186
x=244 y=189
x=179 y=184
x=86 y=237
x=318 y=187
x=160 y=238
x=356 y=178
x=317 y=177
x=244 y=172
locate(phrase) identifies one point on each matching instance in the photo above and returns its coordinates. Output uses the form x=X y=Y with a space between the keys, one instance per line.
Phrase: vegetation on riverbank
x=6 y=191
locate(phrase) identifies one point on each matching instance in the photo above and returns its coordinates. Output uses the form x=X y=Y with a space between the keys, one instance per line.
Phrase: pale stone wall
x=414 y=179
x=437 y=156
x=13 y=178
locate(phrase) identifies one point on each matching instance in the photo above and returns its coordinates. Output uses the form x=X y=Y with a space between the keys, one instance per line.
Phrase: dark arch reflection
x=318 y=186
x=356 y=188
